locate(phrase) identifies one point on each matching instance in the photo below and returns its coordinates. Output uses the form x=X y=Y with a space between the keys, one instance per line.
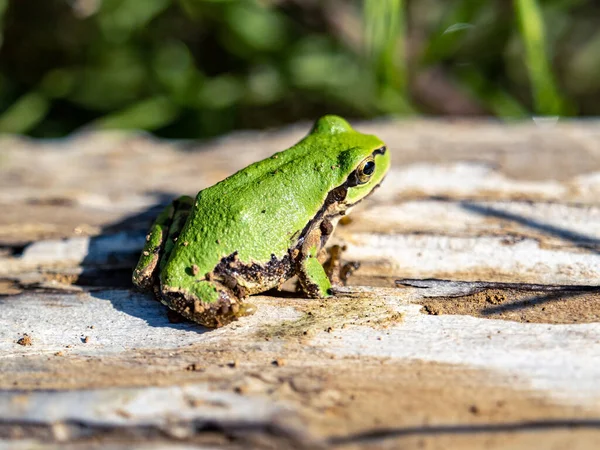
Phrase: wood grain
x=489 y=339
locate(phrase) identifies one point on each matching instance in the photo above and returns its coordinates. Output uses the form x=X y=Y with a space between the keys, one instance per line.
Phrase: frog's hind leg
x=209 y=303
x=159 y=241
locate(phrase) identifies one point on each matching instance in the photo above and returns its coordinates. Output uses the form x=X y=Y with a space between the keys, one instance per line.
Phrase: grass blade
x=546 y=97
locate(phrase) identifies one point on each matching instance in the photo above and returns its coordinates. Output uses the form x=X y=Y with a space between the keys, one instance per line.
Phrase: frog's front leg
x=311 y=274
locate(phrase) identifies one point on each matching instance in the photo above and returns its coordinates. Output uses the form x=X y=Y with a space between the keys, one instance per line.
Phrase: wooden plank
x=490 y=338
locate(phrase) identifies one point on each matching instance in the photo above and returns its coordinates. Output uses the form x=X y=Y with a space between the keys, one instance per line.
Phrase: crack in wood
x=258 y=435
x=468 y=287
x=373 y=436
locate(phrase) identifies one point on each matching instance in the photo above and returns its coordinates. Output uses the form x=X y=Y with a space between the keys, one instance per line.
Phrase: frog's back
x=257 y=213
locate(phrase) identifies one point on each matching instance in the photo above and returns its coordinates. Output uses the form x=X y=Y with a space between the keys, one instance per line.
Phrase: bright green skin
x=259 y=213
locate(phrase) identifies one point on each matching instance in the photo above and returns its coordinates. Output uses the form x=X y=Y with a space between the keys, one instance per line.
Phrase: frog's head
x=362 y=160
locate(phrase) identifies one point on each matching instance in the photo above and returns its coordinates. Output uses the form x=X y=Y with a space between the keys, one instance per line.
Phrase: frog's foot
x=222 y=307
x=337 y=272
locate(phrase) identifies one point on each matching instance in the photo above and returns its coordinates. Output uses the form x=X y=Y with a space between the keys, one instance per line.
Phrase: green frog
x=261 y=226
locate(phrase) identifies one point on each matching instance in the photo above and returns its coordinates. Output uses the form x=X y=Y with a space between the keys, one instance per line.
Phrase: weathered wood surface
x=412 y=353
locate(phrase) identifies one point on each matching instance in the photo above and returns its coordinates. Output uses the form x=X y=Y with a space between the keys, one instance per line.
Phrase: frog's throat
x=351 y=205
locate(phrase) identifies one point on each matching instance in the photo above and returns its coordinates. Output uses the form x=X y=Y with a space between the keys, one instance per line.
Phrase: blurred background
x=200 y=68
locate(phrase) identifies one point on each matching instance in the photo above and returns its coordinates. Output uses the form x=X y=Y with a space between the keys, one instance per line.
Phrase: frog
x=251 y=232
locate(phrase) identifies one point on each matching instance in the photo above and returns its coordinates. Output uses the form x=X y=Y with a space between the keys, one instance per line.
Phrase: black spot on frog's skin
x=326 y=227
x=264 y=211
x=337 y=195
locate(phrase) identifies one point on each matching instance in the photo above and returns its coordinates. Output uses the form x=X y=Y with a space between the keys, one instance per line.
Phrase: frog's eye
x=365 y=170
x=369 y=168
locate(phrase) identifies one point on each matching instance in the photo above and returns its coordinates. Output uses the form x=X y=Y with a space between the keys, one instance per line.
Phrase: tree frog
x=261 y=226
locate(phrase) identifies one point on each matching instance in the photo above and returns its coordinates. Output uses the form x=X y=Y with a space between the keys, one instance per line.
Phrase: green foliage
x=197 y=68
x=385 y=41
